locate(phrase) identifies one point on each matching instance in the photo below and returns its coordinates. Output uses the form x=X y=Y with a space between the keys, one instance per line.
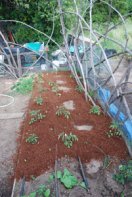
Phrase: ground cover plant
x=42 y=191
x=124 y=173
x=24 y=85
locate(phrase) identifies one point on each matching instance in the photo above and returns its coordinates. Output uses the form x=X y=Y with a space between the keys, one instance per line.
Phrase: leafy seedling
x=79 y=89
x=43 y=191
x=33 y=177
x=36 y=116
x=32 y=139
x=95 y=110
x=40 y=78
x=68 y=140
x=39 y=100
x=51 y=83
x=124 y=173
x=71 y=76
x=62 y=111
x=114 y=130
x=34 y=112
x=51 y=178
x=54 y=88
x=91 y=93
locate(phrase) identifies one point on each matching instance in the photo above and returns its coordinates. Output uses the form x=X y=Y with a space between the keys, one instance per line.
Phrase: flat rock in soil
x=93 y=167
x=63 y=88
x=69 y=105
x=60 y=82
x=83 y=127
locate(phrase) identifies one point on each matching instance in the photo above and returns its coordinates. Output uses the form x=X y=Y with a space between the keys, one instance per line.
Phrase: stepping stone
x=93 y=167
x=69 y=105
x=63 y=88
x=60 y=82
x=83 y=127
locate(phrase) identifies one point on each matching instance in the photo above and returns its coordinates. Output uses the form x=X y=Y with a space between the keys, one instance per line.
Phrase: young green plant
x=32 y=139
x=79 y=89
x=68 y=140
x=114 y=130
x=95 y=110
x=36 y=115
x=39 y=100
x=124 y=173
x=62 y=111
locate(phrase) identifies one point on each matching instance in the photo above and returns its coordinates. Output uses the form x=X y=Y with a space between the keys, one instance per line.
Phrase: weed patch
x=24 y=85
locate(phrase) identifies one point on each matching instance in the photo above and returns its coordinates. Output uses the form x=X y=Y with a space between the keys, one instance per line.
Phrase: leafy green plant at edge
x=41 y=191
x=124 y=173
x=24 y=85
x=95 y=110
x=79 y=89
x=91 y=93
x=114 y=130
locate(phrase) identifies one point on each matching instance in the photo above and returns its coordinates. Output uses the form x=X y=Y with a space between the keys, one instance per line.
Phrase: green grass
x=24 y=85
x=118 y=34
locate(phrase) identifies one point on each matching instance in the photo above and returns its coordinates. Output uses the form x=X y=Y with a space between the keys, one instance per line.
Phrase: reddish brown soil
x=37 y=158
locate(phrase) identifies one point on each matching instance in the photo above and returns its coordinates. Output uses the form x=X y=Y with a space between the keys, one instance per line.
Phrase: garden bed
x=54 y=89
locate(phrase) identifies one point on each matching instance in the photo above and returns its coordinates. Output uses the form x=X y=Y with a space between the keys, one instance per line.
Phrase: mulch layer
x=35 y=159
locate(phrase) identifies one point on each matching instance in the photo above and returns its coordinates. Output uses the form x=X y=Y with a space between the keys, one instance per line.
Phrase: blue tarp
x=72 y=49
x=34 y=46
x=104 y=95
